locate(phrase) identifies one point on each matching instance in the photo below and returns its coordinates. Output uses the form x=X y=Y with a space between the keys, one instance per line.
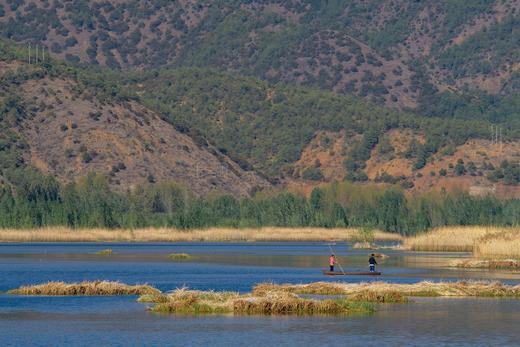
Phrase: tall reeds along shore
x=62 y=234
x=184 y=301
x=455 y=239
x=95 y=288
x=492 y=247
x=500 y=250
x=503 y=244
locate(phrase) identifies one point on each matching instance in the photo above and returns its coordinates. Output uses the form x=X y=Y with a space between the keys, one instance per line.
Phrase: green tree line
x=90 y=203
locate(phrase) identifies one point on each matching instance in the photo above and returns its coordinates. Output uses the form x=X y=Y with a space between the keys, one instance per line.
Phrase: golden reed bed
x=279 y=299
x=504 y=244
x=492 y=247
x=61 y=234
x=96 y=288
x=424 y=288
x=449 y=239
x=184 y=301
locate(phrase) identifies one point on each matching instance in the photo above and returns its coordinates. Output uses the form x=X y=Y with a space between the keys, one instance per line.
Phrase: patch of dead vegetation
x=398 y=290
x=449 y=239
x=184 y=301
x=62 y=234
x=486 y=263
x=97 y=288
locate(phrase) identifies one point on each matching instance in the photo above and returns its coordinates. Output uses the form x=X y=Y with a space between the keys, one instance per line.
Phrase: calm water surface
x=120 y=321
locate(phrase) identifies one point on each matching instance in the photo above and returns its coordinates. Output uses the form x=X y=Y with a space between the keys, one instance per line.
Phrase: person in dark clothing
x=332 y=262
x=372 y=262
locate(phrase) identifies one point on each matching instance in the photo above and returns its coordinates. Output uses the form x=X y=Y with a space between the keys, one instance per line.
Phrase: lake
x=121 y=321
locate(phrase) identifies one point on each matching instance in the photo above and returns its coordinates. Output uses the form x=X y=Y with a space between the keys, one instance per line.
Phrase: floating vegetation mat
x=186 y=301
x=105 y=252
x=391 y=292
x=85 y=289
x=179 y=256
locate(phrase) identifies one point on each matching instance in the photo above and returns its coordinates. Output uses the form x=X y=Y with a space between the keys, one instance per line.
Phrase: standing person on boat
x=332 y=262
x=372 y=263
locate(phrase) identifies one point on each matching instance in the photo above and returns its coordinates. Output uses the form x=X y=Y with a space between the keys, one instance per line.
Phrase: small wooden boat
x=352 y=273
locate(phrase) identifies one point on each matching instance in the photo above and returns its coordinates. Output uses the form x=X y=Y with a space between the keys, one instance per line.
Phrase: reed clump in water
x=186 y=301
x=315 y=288
x=363 y=245
x=425 y=288
x=62 y=234
x=95 y=288
x=153 y=298
x=195 y=302
x=282 y=304
x=382 y=297
x=179 y=256
x=107 y=251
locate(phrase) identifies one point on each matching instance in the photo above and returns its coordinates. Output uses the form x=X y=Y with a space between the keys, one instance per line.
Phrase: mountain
x=215 y=131
x=422 y=94
x=306 y=136
x=66 y=123
x=449 y=58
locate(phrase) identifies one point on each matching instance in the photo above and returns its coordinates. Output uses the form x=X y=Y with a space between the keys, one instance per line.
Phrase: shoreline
x=158 y=235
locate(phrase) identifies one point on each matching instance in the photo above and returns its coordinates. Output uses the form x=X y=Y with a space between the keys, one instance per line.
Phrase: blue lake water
x=120 y=321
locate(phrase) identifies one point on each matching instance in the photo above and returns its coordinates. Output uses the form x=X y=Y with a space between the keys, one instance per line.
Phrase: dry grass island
x=61 y=234
x=384 y=290
x=273 y=302
x=96 y=288
x=280 y=299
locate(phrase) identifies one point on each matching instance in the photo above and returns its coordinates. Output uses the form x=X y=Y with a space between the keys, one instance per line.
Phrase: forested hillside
x=62 y=123
x=300 y=133
x=194 y=114
x=449 y=58
x=211 y=130
x=419 y=94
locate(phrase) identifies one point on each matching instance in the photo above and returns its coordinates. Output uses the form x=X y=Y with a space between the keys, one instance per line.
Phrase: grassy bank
x=96 y=288
x=275 y=302
x=362 y=291
x=60 y=234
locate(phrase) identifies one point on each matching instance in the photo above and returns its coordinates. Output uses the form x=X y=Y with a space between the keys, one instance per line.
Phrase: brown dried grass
x=316 y=288
x=502 y=245
x=425 y=288
x=179 y=256
x=486 y=263
x=62 y=234
x=383 y=297
x=96 y=288
x=186 y=301
x=453 y=239
x=105 y=252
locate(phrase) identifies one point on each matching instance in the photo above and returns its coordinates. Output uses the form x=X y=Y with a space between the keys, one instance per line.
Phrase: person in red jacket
x=332 y=262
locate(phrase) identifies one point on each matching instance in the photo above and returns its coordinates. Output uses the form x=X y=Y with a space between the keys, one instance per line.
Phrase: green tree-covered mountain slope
x=299 y=133
x=445 y=58
x=210 y=130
